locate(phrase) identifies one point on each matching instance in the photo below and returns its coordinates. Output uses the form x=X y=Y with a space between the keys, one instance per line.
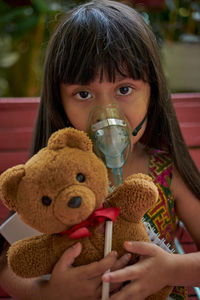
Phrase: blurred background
x=26 y=26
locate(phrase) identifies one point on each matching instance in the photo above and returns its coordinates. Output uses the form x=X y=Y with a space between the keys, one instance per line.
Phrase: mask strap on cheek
x=137 y=129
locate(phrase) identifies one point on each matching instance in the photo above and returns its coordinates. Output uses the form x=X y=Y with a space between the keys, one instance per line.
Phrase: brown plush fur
x=52 y=172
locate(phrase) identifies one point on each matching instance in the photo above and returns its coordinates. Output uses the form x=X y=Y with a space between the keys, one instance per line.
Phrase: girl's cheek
x=80 y=121
x=78 y=124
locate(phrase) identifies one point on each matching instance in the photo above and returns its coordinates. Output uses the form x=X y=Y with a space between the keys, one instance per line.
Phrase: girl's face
x=131 y=95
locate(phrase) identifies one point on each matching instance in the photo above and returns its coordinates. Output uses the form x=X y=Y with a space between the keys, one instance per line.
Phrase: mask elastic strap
x=137 y=129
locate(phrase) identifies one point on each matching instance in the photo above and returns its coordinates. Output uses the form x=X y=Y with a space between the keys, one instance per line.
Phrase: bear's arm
x=36 y=256
x=134 y=197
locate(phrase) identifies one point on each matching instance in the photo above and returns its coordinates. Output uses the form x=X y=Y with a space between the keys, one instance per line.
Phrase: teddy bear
x=62 y=191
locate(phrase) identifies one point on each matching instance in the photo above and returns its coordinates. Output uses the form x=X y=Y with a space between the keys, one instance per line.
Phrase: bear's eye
x=46 y=200
x=80 y=177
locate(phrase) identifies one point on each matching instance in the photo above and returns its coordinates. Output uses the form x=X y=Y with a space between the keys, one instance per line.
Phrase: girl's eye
x=83 y=95
x=124 y=90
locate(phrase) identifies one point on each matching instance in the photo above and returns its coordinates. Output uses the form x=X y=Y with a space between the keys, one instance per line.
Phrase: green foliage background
x=25 y=28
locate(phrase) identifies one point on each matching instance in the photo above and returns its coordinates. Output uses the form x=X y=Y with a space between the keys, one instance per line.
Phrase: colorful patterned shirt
x=162 y=216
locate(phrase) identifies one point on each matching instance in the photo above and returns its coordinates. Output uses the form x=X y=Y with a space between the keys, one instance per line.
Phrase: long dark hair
x=111 y=37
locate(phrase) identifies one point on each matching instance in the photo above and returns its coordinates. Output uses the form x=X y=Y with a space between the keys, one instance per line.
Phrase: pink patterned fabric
x=162 y=216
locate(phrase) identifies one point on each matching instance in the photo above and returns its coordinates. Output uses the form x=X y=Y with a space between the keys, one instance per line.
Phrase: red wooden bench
x=187 y=108
x=17 y=117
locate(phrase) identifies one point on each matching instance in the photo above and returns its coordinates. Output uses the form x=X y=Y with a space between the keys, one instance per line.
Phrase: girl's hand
x=147 y=276
x=84 y=282
x=119 y=264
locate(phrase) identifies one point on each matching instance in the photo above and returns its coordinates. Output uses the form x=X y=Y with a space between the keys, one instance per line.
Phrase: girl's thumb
x=68 y=257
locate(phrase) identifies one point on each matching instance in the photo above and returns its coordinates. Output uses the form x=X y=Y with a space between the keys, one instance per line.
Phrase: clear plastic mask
x=109 y=131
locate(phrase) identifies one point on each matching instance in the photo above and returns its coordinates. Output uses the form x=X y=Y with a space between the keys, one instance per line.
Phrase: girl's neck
x=138 y=162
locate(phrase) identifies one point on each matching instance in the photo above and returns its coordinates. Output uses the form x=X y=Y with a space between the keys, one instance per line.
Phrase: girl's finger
x=114 y=287
x=96 y=287
x=99 y=292
x=121 y=262
x=68 y=257
x=121 y=275
x=96 y=281
x=100 y=267
x=130 y=291
x=142 y=248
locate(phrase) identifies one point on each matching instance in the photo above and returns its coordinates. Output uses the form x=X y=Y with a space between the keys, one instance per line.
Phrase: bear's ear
x=69 y=137
x=9 y=182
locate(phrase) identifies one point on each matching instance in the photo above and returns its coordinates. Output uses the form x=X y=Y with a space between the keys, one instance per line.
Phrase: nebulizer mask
x=110 y=134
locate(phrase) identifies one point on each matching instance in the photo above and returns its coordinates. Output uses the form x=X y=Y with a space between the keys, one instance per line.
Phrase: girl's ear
x=9 y=182
x=69 y=137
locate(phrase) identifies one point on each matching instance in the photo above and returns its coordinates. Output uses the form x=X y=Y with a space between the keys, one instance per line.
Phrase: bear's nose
x=75 y=202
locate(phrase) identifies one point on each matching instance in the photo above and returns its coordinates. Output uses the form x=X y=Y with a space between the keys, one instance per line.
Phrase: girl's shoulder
x=159 y=153
x=160 y=165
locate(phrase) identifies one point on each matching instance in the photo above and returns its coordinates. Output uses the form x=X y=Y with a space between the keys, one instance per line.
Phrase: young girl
x=101 y=53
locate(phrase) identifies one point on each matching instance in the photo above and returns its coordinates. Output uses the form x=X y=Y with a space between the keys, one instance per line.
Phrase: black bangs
x=91 y=43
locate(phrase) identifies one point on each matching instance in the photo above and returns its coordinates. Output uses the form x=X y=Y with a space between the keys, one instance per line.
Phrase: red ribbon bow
x=98 y=216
